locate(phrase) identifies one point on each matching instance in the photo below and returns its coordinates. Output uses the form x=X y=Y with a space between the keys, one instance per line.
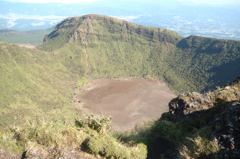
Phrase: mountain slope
x=208 y=62
x=22 y=37
x=117 y=48
x=40 y=84
x=104 y=29
x=93 y=46
x=34 y=84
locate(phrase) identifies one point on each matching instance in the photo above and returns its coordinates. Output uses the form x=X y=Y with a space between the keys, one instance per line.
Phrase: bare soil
x=28 y=45
x=128 y=101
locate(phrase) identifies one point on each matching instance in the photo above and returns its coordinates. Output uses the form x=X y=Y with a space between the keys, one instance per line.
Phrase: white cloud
x=37 y=24
x=197 y=20
x=23 y=26
x=213 y=2
x=56 y=1
x=53 y=22
x=26 y=16
x=11 y=17
x=128 y=18
x=188 y=0
x=188 y=22
x=210 y=20
x=11 y=23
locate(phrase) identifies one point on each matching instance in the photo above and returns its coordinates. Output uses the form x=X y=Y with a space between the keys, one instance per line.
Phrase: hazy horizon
x=211 y=18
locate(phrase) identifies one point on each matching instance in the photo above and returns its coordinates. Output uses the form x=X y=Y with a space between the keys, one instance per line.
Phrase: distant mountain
x=37 y=84
x=115 y=48
x=38 y=92
x=118 y=48
x=185 y=17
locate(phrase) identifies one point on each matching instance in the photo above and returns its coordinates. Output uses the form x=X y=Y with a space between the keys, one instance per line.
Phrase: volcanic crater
x=130 y=101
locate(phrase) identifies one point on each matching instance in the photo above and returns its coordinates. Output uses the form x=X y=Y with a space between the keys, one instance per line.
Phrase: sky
x=47 y=1
x=216 y=18
x=210 y=2
x=213 y=2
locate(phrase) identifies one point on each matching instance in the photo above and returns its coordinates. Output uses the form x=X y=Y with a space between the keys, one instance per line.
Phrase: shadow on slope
x=223 y=74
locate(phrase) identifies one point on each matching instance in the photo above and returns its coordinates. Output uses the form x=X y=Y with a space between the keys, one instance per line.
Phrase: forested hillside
x=34 y=37
x=89 y=47
x=38 y=91
x=117 y=48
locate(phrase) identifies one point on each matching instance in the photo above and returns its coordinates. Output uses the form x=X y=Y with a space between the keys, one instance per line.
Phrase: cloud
x=37 y=24
x=11 y=17
x=11 y=23
x=53 y=22
x=128 y=18
x=210 y=20
x=56 y=1
x=213 y=2
x=23 y=26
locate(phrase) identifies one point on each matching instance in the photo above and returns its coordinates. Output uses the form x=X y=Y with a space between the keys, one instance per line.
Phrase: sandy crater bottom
x=128 y=101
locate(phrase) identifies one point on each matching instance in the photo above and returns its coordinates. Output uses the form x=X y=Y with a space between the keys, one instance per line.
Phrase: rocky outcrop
x=226 y=129
x=43 y=153
x=193 y=105
x=225 y=123
x=223 y=110
x=189 y=105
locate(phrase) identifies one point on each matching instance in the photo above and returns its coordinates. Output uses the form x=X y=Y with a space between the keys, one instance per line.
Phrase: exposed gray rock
x=224 y=118
x=237 y=94
x=8 y=155
x=230 y=154
x=236 y=81
x=189 y=105
x=55 y=153
x=227 y=131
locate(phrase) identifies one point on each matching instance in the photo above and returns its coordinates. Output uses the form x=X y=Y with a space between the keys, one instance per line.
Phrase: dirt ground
x=28 y=45
x=128 y=101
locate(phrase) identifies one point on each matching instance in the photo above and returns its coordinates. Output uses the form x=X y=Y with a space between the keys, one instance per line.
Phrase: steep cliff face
x=208 y=62
x=116 y=48
x=102 y=28
x=94 y=46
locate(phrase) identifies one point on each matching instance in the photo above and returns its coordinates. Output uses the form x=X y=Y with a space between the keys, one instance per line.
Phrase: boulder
x=189 y=105
x=226 y=129
x=224 y=115
x=237 y=94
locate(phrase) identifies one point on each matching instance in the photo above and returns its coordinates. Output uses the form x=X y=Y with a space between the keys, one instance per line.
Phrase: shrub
x=108 y=146
x=99 y=123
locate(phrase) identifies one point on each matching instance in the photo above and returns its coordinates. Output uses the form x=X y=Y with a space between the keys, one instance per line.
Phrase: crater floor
x=128 y=101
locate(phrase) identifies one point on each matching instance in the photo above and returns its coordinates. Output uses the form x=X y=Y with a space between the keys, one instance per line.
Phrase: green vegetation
x=82 y=81
x=90 y=132
x=40 y=84
x=207 y=62
x=34 y=37
x=190 y=138
x=34 y=84
x=122 y=49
